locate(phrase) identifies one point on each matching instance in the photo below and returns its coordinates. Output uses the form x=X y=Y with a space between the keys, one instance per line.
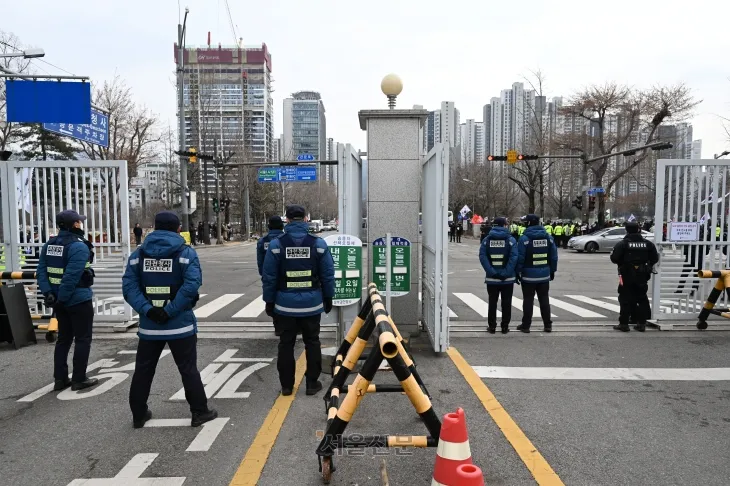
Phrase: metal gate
x=34 y=192
x=692 y=193
x=434 y=202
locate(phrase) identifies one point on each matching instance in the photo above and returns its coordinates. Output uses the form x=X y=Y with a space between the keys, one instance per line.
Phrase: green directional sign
x=400 y=261
x=346 y=252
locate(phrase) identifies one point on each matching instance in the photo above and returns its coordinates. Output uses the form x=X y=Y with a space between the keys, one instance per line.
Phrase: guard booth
x=434 y=250
x=692 y=201
x=32 y=193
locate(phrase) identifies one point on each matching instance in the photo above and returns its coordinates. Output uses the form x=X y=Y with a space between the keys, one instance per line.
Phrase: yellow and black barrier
x=52 y=327
x=388 y=345
x=722 y=284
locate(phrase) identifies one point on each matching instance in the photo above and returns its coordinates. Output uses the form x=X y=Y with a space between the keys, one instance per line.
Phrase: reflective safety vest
x=568 y=230
x=520 y=230
x=536 y=253
x=160 y=278
x=717 y=232
x=558 y=231
x=572 y=229
x=549 y=229
x=299 y=264
x=513 y=228
x=57 y=259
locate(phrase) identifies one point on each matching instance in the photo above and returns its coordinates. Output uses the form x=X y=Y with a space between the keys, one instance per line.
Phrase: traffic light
x=591 y=203
x=216 y=205
x=493 y=158
x=526 y=157
x=578 y=202
x=192 y=157
x=226 y=202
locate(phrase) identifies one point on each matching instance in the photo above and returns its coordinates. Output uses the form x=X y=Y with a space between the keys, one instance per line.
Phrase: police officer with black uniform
x=161 y=283
x=299 y=284
x=635 y=257
x=65 y=278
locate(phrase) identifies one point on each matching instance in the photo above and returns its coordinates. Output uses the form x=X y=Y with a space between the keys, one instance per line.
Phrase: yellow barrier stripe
x=252 y=465
x=535 y=462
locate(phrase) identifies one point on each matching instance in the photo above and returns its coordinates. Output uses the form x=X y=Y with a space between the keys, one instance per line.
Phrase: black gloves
x=518 y=280
x=501 y=277
x=552 y=275
x=158 y=315
x=327 y=305
x=50 y=300
x=270 y=309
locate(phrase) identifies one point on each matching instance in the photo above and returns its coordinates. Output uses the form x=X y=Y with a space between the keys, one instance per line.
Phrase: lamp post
x=719 y=156
x=181 y=114
x=26 y=54
x=391 y=86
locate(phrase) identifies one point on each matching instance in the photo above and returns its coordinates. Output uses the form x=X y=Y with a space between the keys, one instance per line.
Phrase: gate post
x=394 y=190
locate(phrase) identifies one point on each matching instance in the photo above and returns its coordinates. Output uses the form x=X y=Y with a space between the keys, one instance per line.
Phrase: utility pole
x=221 y=162
x=185 y=202
x=247 y=204
x=206 y=207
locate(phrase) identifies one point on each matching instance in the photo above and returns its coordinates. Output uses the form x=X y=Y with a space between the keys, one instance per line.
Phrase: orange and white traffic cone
x=453 y=449
x=469 y=475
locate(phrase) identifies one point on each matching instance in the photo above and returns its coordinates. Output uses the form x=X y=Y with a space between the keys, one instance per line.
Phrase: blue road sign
x=305 y=157
x=287 y=174
x=598 y=190
x=96 y=132
x=48 y=101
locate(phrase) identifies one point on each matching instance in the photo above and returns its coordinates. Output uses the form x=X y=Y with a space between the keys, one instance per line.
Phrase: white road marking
x=205 y=437
x=216 y=305
x=227 y=357
x=253 y=309
x=658 y=374
x=597 y=303
x=574 y=309
x=49 y=388
x=130 y=475
x=517 y=304
x=229 y=389
x=476 y=304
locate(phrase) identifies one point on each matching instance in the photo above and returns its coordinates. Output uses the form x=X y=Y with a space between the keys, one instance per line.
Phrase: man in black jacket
x=635 y=257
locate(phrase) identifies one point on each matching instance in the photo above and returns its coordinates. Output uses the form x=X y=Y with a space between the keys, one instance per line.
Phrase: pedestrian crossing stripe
x=214 y=306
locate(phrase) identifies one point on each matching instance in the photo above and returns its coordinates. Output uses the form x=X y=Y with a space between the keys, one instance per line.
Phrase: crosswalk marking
x=253 y=309
x=597 y=303
x=216 y=305
x=580 y=311
x=517 y=304
x=477 y=304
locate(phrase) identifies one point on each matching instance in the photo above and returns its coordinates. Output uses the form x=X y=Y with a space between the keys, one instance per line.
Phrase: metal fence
x=34 y=192
x=692 y=196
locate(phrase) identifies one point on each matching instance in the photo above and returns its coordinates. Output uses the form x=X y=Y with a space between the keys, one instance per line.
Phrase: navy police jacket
x=498 y=256
x=298 y=272
x=163 y=272
x=64 y=269
x=263 y=245
x=537 y=255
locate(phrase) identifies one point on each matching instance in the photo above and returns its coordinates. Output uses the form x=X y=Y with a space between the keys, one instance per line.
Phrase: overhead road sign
x=48 y=101
x=305 y=157
x=96 y=132
x=287 y=174
x=511 y=156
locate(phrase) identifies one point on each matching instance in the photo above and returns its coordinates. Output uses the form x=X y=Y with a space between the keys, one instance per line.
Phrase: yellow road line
x=249 y=471
x=536 y=464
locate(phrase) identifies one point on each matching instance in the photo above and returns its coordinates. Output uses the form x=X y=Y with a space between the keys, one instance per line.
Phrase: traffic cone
x=453 y=449
x=469 y=475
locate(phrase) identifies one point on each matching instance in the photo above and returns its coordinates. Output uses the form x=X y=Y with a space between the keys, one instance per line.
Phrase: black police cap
x=68 y=217
x=167 y=220
x=295 y=211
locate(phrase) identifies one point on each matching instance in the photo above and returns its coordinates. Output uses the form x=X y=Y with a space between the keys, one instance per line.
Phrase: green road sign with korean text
x=400 y=261
x=346 y=252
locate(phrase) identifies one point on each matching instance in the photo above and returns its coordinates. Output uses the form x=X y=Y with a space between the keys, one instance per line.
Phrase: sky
x=461 y=50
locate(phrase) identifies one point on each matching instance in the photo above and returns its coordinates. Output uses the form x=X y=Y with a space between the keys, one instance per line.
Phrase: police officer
x=65 y=278
x=299 y=284
x=558 y=234
x=498 y=256
x=635 y=257
x=537 y=262
x=276 y=229
x=549 y=228
x=161 y=283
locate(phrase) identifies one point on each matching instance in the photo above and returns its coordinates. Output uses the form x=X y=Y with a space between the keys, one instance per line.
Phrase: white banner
x=23 y=180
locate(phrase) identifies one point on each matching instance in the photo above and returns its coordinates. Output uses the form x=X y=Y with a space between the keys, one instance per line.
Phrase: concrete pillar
x=394 y=146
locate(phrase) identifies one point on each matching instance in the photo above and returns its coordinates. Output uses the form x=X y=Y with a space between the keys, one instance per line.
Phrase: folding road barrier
x=723 y=283
x=374 y=321
x=18 y=320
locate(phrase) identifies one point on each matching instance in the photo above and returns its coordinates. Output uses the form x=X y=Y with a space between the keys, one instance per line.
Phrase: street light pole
x=185 y=202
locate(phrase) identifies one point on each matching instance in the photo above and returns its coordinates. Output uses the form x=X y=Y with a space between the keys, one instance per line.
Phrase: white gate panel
x=693 y=191
x=434 y=202
x=95 y=189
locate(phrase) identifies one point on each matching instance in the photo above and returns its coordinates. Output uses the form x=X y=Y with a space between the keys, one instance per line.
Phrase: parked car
x=601 y=241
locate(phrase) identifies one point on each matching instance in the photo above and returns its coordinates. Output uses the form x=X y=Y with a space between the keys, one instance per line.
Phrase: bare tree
x=133 y=129
x=9 y=42
x=619 y=115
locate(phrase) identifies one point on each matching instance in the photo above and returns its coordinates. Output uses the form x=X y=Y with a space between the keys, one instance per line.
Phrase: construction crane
x=236 y=40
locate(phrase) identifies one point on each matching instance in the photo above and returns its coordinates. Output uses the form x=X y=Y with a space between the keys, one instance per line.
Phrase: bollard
x=722 y=283
x=52 y=327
